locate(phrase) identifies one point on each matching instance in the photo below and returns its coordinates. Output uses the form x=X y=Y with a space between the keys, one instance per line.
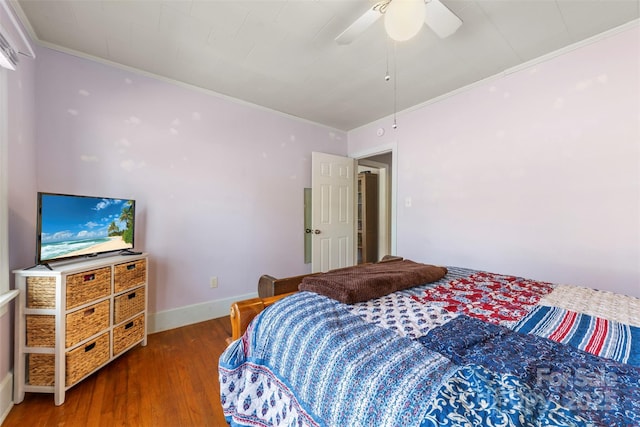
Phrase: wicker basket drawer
x=40 y=369
x=41 y=292
x=129 y=304
x=88 y=286
x=79 y=362
x=41 y=330
x=83 y=323
x=130 y=275
x=86 y=358
x=127 y=334
x=80 y=325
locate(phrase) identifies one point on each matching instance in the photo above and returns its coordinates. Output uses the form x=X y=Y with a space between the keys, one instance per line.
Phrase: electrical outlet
x=213 y=282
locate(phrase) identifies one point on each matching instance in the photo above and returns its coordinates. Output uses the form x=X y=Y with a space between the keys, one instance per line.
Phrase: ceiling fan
x=405 y=16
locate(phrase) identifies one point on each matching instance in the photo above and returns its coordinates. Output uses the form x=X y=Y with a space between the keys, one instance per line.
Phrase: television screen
x=72 y=226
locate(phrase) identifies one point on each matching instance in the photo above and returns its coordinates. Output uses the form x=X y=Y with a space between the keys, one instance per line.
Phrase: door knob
x=316 y=231
x=308 y=230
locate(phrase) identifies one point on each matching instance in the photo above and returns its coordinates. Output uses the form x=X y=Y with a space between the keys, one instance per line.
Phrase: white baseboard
x=6 y=396
x=177 y=317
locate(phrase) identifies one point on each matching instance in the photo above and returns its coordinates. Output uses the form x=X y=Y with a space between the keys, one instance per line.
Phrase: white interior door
x=332 y=211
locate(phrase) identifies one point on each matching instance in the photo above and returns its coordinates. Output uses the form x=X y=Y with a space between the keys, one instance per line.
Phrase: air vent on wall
x=13 y=41
x=8 y=55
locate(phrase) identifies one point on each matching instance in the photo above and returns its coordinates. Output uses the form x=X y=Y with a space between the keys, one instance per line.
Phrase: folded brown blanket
x=364 y=282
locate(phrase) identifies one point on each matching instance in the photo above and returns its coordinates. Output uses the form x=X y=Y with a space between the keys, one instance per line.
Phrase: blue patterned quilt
x=409 y=360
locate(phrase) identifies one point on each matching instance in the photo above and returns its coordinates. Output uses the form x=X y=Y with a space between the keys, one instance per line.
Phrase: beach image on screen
x=78 y=225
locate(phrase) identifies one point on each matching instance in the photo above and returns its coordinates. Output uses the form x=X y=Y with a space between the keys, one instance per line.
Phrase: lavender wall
x=535 y=173
x=218 y=184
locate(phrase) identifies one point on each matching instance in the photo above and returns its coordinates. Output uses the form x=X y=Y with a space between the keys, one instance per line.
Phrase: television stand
x=74 y=320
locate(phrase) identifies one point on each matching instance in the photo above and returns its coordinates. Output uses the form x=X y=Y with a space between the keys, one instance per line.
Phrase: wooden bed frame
x=270 y=290
x=243 y=312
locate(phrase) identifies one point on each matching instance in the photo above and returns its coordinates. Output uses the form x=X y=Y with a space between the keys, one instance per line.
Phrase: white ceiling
x=282 y=55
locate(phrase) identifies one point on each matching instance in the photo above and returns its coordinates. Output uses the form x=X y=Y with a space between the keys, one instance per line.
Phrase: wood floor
x=173 y=381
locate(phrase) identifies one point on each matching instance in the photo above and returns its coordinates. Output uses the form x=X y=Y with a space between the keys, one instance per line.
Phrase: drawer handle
x=89 y=311
x=89 y=347
x=128 y=325
x=131 y=267
x=132 y=295
x=89 y=277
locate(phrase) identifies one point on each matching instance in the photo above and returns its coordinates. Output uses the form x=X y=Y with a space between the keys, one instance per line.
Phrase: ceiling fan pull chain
x=395 y=86
x=387 y=76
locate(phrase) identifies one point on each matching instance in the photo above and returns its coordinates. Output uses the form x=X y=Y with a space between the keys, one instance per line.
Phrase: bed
x=465 y=349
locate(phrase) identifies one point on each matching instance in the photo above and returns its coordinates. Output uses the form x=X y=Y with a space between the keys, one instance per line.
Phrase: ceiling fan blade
x=441 y=19
x=358 y=26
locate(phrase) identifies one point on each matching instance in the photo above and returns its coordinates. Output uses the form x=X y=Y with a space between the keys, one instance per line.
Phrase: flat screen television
x=73 y=226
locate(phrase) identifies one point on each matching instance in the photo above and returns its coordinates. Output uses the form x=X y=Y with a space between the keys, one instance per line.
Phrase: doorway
x=383 y=162
x=379 y=166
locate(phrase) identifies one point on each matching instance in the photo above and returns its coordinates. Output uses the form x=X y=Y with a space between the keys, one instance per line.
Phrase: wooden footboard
x=243 y=312
x=270 y=290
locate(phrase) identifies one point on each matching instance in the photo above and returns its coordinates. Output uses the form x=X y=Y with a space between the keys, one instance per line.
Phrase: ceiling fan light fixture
x=404 y=18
